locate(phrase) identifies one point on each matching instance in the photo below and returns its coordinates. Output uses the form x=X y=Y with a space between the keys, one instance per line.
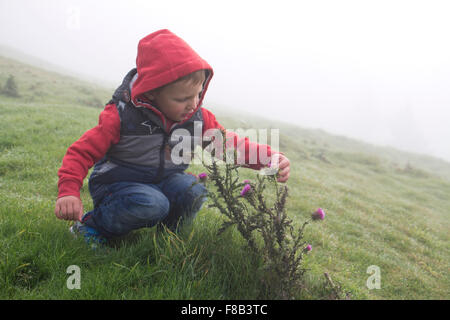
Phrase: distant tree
x=10 y=88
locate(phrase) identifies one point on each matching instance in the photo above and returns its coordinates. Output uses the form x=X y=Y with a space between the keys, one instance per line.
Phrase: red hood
x=162 y=58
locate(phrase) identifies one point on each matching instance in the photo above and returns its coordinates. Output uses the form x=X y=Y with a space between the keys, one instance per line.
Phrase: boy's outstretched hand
x=283 y=164
x=69 y=208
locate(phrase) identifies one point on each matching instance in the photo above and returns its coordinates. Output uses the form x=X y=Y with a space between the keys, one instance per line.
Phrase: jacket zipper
x=162 y=158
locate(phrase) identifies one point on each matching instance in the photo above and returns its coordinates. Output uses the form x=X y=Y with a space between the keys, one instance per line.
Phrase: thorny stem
x=282 y=248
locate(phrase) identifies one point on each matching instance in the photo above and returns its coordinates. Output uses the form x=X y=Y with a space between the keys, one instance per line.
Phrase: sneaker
x=91 y=235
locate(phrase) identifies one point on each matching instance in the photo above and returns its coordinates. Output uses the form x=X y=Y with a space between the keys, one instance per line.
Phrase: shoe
x=91 y=235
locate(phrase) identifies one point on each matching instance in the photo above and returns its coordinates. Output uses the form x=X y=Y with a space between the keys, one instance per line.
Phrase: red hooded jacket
x=162 y=58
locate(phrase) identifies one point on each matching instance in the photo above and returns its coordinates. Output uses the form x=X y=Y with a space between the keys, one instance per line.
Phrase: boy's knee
x=152 y=208
x=196 y=196
x=199 y=190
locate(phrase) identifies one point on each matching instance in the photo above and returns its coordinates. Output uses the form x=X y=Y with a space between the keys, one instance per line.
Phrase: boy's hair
x=194 y=78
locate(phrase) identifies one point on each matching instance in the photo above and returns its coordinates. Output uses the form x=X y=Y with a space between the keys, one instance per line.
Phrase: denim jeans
x=125 y=206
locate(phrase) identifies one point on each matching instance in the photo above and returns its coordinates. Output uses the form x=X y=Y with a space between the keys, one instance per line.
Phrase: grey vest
x=141 y=154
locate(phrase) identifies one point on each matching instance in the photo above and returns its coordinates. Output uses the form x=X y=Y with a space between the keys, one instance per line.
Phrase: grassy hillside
x=315 y=143
x=41 y=86
x=19 y=56
x=384 y=207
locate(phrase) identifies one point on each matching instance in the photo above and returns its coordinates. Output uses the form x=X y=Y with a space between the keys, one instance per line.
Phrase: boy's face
x=176 y=100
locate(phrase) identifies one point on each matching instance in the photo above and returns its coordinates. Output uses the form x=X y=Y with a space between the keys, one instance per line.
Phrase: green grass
x=39 y=86
x=384 y=207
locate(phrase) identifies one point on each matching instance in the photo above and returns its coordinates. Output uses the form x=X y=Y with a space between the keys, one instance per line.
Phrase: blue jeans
x=125 y=206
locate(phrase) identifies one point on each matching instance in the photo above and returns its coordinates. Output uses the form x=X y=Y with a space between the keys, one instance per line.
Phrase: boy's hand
x=69 y=208
x=283 y=164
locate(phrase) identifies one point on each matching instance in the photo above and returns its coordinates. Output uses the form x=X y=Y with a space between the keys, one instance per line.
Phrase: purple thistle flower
x=202 y=176
x=319 y=214
x=308 y=248
x=247 y=188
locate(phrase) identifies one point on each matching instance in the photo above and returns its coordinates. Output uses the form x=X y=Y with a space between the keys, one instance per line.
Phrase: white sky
x=375 y=70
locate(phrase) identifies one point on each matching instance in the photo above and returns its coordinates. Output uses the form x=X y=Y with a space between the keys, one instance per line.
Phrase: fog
x=378 y=71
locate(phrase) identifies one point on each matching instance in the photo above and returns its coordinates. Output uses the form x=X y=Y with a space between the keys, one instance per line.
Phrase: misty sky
x=374 y=70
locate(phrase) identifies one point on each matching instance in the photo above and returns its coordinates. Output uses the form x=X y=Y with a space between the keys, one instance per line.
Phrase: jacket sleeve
x=86 y=151
x=256 y=156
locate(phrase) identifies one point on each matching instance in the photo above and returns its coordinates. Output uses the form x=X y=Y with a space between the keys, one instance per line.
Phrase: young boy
x=135 y=182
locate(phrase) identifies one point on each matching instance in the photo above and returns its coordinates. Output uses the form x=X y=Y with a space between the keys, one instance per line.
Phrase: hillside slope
x=384 y=207
x=317 y=143
x=38 y=85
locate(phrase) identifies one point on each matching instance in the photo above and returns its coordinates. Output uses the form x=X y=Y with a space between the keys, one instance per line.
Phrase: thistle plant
x=263 y=223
